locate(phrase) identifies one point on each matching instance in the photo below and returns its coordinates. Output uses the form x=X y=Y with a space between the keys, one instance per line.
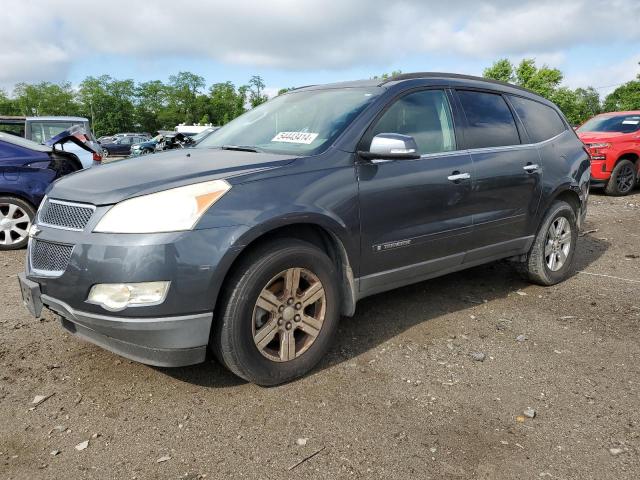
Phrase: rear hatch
x=75 y=134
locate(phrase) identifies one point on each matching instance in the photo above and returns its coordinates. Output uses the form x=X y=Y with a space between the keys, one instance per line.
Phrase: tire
x=105 y=152
x=623 y=179
x=537 y=268
x=14 y=234
x=242 y=322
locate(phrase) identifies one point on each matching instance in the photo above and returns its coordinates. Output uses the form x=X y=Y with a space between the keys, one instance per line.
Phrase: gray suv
x=252 y=244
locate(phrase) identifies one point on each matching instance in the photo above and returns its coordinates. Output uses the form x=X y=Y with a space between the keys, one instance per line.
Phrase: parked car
x=122 y=145
x=112 y=138
x=42 y=129
x=26 y=171
x=613 y=140
x=255 y=242
x=162 y=142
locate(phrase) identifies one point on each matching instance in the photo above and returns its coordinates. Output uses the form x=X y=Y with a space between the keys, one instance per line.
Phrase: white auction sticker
x=295 y=137
x=630 y=122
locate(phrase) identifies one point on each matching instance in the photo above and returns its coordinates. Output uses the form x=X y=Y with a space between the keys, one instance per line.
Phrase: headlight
x=172 y=210
x=118 y=296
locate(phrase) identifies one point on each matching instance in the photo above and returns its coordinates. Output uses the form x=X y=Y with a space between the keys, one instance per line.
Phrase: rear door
x=507 y=183
x=415 y=220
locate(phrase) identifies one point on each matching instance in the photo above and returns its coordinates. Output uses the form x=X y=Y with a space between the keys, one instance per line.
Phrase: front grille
x=73 y=216
x=49 y=257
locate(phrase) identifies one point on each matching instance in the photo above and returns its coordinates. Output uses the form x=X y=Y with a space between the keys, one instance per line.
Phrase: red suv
x=613 y=140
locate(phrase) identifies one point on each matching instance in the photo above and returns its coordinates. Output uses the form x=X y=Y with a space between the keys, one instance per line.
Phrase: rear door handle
x=457 y=176
x=532 y=168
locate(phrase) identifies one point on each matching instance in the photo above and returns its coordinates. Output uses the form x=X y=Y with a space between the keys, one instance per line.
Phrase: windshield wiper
x=241 y=148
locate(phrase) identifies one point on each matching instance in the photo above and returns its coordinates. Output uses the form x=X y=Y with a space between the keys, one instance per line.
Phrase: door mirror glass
x=392 y=146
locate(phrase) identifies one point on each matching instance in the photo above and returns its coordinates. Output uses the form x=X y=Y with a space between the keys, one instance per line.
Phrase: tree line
x=115 y=105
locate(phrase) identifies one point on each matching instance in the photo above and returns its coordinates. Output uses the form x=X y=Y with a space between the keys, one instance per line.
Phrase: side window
x=491 y=123
x=542 y=122
x=425 y=116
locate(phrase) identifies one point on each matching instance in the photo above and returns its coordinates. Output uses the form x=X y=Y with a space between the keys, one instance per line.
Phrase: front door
x=415 y=214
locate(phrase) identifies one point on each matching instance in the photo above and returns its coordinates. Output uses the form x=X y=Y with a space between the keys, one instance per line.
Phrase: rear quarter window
x=541 y=121
x=489 y=120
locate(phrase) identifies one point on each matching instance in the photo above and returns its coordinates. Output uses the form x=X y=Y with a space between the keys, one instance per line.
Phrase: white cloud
x=41 y=39
x=606 y=76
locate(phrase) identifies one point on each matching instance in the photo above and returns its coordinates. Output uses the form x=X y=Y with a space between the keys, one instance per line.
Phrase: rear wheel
x=550 y=258
x=16 y=217
x=278 y=314
x=623 y=179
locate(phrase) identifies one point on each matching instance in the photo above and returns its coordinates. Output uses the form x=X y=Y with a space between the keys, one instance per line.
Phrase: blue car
x=26 y=171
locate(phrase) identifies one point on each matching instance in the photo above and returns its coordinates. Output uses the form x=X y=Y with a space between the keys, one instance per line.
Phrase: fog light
x=118 y=296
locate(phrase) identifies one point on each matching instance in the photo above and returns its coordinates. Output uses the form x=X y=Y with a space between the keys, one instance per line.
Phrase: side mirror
x=392 y=146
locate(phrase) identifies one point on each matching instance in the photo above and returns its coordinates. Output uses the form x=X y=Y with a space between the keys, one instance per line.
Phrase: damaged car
x=27 y=169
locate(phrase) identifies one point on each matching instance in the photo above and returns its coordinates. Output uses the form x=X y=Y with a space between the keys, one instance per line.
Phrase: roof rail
x=410 y=76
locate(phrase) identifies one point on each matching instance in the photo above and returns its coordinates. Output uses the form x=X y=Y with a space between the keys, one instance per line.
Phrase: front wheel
x=278 y=314
x=550 y=258
x=623 y=179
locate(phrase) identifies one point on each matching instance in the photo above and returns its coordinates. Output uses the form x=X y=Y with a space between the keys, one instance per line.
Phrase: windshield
x=617 y=123
x=304 y=122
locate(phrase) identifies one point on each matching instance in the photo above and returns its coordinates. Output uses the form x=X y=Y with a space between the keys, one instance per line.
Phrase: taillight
x=97 y=157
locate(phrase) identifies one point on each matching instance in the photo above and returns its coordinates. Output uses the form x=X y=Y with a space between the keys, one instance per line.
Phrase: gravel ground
x=400 y=395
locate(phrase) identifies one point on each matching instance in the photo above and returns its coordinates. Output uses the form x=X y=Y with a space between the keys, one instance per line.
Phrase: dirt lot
x=399 y=395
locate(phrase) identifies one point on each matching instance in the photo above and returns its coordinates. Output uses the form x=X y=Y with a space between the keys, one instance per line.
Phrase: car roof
x=23 y=142
x=455 y=79
x=54 y=118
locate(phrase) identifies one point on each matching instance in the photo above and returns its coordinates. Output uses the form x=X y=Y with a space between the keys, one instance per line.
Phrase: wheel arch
x=571 y=194
x=20 y=196
x=327 y=238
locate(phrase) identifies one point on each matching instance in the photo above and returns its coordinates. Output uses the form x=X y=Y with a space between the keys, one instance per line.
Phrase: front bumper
x=163 y=342
x=173 y=333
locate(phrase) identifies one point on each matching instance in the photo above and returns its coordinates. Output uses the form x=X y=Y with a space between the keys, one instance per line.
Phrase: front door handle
x=457 y=176
x=532 y=167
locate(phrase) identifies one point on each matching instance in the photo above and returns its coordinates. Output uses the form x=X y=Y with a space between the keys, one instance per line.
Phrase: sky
x=300 y=42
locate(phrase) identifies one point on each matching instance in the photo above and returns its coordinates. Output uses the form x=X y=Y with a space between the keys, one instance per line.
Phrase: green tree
x=502 y=70
x=45 y=98
x=7 y=105
x=183 y=92
x=625 y=97
x=226 y=103
x=108 y=103
x=285 y=90
x=256 y=91
x=150 y=104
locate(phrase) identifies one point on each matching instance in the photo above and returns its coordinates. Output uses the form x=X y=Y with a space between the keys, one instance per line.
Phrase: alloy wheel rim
x=14 y=224
x=625 y=179
x=289 y=314
x=558 y=244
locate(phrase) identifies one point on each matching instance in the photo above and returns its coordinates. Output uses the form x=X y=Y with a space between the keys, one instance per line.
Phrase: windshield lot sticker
x=295 y=137
x=630 y=122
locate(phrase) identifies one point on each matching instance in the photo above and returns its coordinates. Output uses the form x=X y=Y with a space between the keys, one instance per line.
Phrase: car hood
x=75 y=134
x=116 y=181
x=595 y=137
